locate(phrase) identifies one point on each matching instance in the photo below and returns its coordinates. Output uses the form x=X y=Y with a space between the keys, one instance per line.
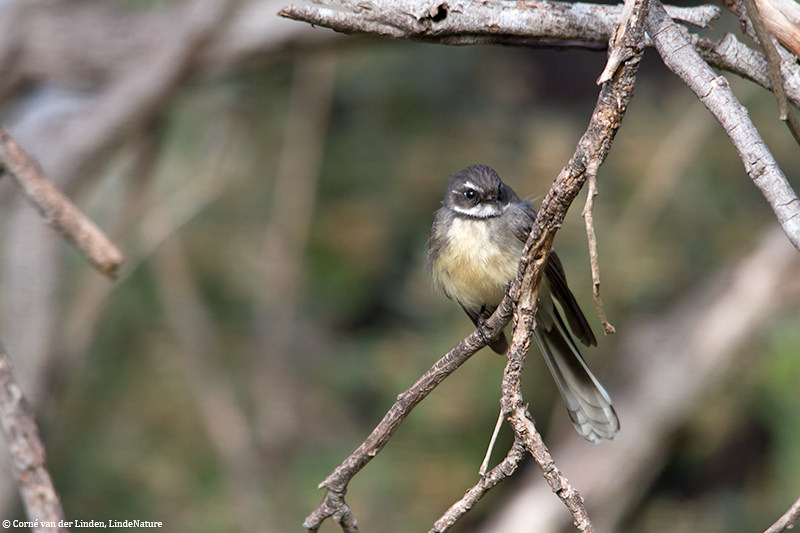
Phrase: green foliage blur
x=125 y=428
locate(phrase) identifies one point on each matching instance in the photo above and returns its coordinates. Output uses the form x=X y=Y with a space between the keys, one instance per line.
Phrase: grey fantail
x=473 y=254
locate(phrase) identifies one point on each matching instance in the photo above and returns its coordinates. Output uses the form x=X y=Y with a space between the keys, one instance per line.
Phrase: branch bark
x=57 y=209
x=664 y=365
x=22 y=436
x=590 y=153
x=714 y=91
x=333 y=505
x=788 y=520
x=463 y=22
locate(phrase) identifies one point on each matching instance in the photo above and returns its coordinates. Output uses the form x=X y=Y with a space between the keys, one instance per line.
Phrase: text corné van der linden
x=90 y=523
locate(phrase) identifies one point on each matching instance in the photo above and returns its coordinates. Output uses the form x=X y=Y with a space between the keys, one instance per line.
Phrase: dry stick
x=333 y=505
x=22 y=436
x=57 y=209
x=714 y=91
x=492 y=441
x=460 y=22
x=591 y=151
x=788 y=520
x=503 y=470
x=588 y=219
x=774 y=67
x=593 y=147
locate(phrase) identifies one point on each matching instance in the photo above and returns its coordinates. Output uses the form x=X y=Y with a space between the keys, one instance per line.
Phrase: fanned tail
x=587 y=401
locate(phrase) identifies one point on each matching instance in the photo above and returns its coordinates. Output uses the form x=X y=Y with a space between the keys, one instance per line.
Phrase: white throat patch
x=482 y=210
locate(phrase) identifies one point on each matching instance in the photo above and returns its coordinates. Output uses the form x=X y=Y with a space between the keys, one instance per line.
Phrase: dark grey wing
x=522 y=219
x=554 y=271
x=560 y=290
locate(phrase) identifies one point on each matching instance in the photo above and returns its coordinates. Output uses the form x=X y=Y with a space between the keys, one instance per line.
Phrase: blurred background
x=272 y=187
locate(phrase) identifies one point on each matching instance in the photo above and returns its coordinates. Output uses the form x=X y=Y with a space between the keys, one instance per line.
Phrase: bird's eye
x=469 y=194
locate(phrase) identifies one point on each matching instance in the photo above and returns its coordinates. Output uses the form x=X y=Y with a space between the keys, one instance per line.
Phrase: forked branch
x=715 y=93
x=590 y=153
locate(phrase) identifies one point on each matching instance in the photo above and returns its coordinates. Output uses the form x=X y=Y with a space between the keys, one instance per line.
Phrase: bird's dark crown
x=478 y=192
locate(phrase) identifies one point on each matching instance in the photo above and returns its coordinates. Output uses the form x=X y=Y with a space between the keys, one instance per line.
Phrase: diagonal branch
x=774 y=67
x=682 y=59
x=788 y=520
x=57 y=209
x=504 y=469
x=22 y=436
x=333 y=504
x=590 y=153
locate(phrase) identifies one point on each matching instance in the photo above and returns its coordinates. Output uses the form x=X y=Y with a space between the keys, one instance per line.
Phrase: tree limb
x=788 y=520
x=714 y=92
x=57 y=209
x=774 y=67
x=590 y=153
x=503 y=470
x=459 y=22
x=333 y=504
x=734 y=56
x=22 y=436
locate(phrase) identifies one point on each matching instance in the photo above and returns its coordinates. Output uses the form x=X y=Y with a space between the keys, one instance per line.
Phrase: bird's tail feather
x=587 y=401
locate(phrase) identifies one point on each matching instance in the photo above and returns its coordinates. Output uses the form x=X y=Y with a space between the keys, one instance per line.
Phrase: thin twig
x=22 y=436
x=57 y=209
x=788 y=520
x=492 y=441
x=333 y=504
x=682 y=59
x=588 y=219
x=774 y=68
x=503 y=470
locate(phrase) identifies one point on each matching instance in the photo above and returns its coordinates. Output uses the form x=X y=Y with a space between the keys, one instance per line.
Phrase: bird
x=473 y=254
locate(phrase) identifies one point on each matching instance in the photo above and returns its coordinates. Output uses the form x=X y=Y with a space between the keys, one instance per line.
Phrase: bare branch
x=333 y=504
x=732 y=55
x=673 y=359
x=503 y=470
x=590 y=153
x=594 y=261
x=57 y=209
x=463 y=22
x=774 y=67
x=716 y=95
x=788 y=520
x=22 y=436
x=543 y=24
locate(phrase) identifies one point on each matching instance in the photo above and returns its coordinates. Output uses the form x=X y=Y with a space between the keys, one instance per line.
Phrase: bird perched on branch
x=473 y=253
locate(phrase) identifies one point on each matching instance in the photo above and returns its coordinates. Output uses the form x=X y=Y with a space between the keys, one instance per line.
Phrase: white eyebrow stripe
x=470 y=185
